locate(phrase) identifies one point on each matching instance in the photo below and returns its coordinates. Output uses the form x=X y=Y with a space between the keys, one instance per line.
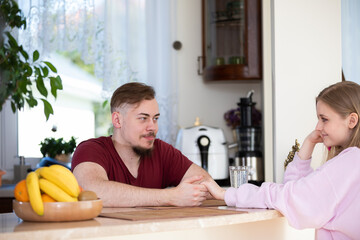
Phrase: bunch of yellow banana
x=56 y=181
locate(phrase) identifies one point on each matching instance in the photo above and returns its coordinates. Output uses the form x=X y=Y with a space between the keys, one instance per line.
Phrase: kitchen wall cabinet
x=231 y=40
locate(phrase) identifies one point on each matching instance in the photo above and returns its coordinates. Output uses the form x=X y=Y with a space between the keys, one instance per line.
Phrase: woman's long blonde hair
x=343 y=98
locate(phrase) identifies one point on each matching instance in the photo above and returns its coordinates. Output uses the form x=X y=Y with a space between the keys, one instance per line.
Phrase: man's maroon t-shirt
x=164 y=168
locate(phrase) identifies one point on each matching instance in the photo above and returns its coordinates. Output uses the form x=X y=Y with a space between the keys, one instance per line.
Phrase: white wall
x=307 y=58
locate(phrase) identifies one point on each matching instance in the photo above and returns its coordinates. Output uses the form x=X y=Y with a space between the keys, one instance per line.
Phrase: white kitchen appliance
x=206 y=147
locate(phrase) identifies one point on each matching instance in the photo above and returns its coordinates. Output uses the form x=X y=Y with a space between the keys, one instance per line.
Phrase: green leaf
x=35 y=55
x=59 y=82
x=51 y=66
x=12 y=40
x=29 y=71
x=22 y=85
x=47 y=108
x=31 y=101
x=18 y=100
x=13 y=107
x=25 y=54
x=37 y=71
x=105 y=103
x=45 y=71
x=55 y=84
x=41 y=86
x=53 y=88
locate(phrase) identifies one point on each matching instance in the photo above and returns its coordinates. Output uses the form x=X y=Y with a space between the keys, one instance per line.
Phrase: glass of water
x=238 y=175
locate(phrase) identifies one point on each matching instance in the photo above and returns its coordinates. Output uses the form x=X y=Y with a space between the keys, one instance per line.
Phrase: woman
x=327 y=199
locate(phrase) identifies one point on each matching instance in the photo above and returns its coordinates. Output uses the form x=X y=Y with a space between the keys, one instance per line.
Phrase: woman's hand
x=215 y=190
x=308 y=146
x=314 y=137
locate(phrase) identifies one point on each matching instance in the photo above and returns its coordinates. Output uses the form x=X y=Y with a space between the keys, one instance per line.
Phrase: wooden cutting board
x=206 y=203
x=169 y=213
x=213 y=203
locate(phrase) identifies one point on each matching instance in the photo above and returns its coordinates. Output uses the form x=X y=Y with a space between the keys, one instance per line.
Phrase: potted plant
x=20 y=70
x=58 y=148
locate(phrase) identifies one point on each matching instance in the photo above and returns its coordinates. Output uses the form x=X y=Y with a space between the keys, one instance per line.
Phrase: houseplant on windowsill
x=20 y=70
x=58 y=148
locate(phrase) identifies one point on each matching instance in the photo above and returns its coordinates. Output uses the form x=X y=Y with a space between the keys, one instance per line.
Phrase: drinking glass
x=238 y=175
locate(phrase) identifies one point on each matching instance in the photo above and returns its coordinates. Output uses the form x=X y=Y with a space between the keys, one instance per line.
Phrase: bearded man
x=131 y=167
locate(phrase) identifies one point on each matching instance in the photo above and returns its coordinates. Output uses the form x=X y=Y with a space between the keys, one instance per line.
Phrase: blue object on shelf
x=48 y=161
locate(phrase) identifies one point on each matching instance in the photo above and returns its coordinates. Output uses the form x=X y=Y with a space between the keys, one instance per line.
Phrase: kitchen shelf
x=232 y=37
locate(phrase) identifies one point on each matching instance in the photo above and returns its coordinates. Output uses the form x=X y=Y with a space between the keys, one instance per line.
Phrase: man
x=133 y=168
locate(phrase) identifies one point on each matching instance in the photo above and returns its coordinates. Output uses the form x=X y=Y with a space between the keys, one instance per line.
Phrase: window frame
x=8 y=141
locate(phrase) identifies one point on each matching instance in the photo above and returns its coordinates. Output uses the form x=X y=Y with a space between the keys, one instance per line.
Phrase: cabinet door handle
x=177 y=45
x=200 y=68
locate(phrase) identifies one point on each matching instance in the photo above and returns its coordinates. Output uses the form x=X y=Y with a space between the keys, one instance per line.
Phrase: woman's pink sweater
x=327 y=199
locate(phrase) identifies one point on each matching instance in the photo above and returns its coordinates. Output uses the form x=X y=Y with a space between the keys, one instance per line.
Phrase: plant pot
x=63 y=158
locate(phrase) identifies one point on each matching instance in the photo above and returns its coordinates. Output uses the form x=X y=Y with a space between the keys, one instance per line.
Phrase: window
x=138 y=50
x=350 y=24
x=73 y=110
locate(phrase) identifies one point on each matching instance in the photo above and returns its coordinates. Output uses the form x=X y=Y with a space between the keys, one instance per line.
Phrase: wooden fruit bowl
x=59 y=211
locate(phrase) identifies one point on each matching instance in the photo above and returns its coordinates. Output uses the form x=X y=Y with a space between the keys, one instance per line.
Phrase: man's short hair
x=131 y=93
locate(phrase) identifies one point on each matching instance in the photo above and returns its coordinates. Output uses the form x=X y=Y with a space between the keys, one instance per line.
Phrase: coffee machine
x=249 y=138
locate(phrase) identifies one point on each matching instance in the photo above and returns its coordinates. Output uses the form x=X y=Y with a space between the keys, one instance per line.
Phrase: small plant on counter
x=52 y=147
x=233 y=118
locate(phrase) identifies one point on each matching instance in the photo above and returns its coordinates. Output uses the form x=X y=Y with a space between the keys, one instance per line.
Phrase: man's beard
x=142 y=152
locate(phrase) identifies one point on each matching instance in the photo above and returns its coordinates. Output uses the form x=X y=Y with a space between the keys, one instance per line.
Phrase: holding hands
x=189 y=192
x=214 y=189
x=193 y=192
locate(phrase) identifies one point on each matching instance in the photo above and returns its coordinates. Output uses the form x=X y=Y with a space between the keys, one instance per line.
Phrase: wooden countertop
x=100 y=227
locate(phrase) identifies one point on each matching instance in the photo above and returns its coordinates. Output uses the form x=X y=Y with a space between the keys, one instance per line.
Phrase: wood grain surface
x=169 y=213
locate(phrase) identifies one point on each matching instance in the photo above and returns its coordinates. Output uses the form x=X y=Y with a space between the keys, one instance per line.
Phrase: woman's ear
x=116 y=119
x=353 y=120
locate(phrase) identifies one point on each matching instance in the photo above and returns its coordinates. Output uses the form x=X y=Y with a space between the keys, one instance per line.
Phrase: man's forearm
x=195 y=170
x=115 y=194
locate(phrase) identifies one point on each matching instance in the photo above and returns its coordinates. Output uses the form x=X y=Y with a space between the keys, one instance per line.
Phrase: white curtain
x=127 y=40
x=350 y=27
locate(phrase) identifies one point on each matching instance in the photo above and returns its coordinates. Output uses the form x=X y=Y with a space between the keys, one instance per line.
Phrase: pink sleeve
x=297 y=169
x=307 y=202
